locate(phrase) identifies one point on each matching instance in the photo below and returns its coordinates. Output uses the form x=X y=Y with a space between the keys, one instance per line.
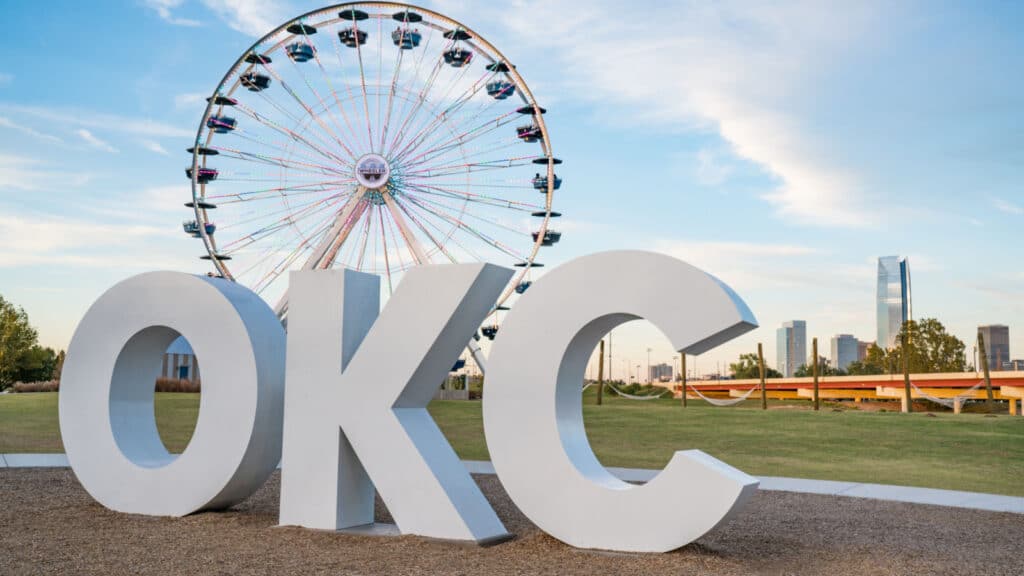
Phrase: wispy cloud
x=738 y=69
x=98 y=121
x=163 y=9
x=746 y=265
x=1007 y=206
x=711 y=170
x=189 y=100
x=252 y=17
x=25 y=174
x=8 y=123
x=154 y=146
x=57 y=240
x=6 y=78
x=92 y=140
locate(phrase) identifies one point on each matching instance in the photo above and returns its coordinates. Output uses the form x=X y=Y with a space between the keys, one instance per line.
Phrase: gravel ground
x=49 y=525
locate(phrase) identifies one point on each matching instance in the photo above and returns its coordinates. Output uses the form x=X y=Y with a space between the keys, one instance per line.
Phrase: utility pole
x=682 y=357
x=600 y=374
x=760 y=366
x=905 y=341
x=983 y=360
x=648 y=365
x=814 y=348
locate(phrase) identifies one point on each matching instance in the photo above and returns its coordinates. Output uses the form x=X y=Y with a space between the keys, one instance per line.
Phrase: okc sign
x=341 y=400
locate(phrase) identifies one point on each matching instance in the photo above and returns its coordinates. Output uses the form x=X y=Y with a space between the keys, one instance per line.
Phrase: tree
x=824 y=369
x=37 y=364
x=928 y=347
x=876 y=361
x=16 y=337
x=747 y=367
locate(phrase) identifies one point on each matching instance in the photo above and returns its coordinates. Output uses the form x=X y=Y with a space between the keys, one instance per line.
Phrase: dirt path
x=49 y=525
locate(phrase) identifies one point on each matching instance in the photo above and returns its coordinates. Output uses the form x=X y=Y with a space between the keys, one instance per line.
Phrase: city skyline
x=749 y=184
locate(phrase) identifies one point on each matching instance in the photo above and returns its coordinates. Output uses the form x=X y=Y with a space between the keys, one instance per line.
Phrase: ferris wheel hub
x=373 y=171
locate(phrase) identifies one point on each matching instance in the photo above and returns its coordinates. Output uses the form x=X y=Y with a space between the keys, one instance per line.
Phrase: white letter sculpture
x=532 y=404
x=355 y=404
x=107 y=386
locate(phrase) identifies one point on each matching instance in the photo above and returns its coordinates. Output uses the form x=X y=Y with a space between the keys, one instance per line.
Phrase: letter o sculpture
x=107 y=393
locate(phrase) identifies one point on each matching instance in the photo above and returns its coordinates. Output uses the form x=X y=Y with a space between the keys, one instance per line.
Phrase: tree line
x=926 y=344
x=22 y=359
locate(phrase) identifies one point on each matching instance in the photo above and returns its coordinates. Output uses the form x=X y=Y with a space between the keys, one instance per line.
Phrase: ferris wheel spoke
x=327 y=250
x=426 y=130
x=465 y=137
x=323 y=104
x=494 y=201
x=438 y=155
x=439 y=245
x=291 y=134
x=466 y=167
x=298 y=122
x=469 y=214
x=430 y=122
x=419 y=256
x=384 y=244
x=362 y=82
x=415 y=75
x=298 y=99
x=248 y=196
x=420 y=99
x=305 y=167
x=391 y=97
x=466 y=228
x=243 y=135
x=289 y=220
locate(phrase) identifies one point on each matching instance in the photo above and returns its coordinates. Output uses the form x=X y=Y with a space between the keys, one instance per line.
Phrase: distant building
x=790 y=347
x=862 y=349
x=844 y=351
x=997 y=345
x=661 y=373
x=1017 y=365
x=893 y=298
x=180 y=362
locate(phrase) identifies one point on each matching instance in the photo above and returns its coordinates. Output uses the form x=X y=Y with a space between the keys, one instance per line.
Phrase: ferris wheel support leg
x=478 y=355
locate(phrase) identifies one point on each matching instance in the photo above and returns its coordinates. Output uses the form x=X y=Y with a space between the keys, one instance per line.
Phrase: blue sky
x=782 y=147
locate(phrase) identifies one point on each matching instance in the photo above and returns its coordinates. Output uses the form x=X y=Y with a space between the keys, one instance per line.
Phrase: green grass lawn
x=961 y=452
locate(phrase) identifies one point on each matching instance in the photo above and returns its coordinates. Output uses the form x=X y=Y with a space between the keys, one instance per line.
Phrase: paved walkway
x=933 y=496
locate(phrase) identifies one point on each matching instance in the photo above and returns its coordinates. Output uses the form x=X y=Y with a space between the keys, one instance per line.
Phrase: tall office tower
x=790 y=347
x=660 y=373
x=893 y=298
x=844 y=351
x=997 y=345
x=862 y=349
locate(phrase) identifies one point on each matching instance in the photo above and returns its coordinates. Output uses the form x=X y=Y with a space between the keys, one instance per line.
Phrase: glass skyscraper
x=893 y=298
x=791 y=347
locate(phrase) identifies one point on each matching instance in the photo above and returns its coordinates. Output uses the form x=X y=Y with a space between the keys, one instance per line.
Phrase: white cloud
x=25 y=174
x=6 y=78
x=252 y=17
x=57 y=240
x=163 y=9
x=8 y=123
x=189 y=100
x=1007 y=207
x=747 y=265
x=739 y=69
x=95 y=142
x=154 y=146
x=99 y=120
x=711 y=170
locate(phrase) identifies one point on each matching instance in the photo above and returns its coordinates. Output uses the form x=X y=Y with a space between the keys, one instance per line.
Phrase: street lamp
x=648 y=365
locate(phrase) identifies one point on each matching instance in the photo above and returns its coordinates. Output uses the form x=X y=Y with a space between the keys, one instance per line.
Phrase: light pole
x=638 y=373
x=648 y=365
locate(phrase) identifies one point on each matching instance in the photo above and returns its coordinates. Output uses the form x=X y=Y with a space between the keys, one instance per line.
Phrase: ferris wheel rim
x=232 y=78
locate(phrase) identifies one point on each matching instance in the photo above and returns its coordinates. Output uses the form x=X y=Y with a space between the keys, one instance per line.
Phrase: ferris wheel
x=373 y=136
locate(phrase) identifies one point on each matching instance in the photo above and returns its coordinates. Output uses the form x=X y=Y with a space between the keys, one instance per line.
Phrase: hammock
x=949 y=402
x=634 y=396
x=587 y=386
x=720 y=402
